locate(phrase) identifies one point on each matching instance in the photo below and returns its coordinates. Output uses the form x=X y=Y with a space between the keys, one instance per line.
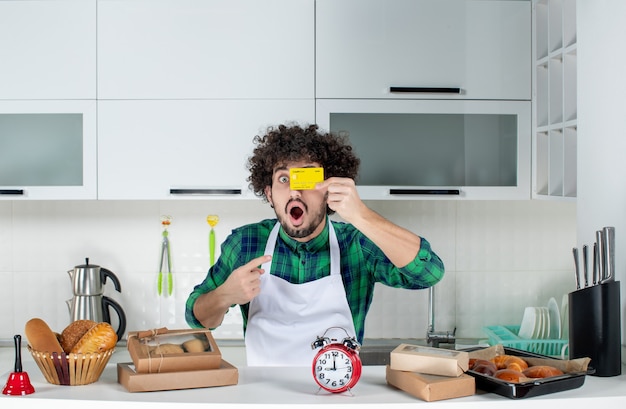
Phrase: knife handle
x=594 y=274
x=577 y=267
x=608 y=235
x=585 y=265
x=601 y=253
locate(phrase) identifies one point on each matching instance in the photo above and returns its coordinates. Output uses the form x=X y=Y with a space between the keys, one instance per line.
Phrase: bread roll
x=194 y=345
x=509 y=375
x=74 y=332
x=101 y=337
x=542 y=371
x=167 y=349
x=40 y=337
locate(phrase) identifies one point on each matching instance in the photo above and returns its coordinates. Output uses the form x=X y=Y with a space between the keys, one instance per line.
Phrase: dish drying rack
x=506 y=335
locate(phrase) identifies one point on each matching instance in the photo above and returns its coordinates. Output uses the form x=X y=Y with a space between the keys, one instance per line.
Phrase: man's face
x=302 y=213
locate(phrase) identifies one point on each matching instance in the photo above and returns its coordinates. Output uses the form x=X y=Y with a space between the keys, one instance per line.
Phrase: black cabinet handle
x=207 y=192
x=424 y=192
x=11 y=191
x=425 y=90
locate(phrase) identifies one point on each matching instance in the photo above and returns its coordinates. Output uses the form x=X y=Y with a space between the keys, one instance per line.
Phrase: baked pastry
x=167 y=349
x=40 y=337
x=542 y=371
x=74 y=332
x=101 y=337
x=194 y=345
x=510 y=362
x=509 y=375
x=483 y=366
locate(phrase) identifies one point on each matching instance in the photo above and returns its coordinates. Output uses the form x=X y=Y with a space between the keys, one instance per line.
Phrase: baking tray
x=532 y=388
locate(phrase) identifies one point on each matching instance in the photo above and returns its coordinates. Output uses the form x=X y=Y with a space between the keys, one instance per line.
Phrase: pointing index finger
x=257 y=262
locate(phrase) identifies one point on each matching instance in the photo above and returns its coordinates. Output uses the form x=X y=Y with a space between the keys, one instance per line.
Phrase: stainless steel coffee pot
x=89 y=279
x=96 y=308
x=89 y=302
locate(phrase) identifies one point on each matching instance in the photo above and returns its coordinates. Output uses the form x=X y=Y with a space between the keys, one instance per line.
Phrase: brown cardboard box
x=164 y=350
x=226 y=374
x=427 y=360
x=431 y=387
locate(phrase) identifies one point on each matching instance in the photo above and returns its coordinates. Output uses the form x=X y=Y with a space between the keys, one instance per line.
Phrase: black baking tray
x=528 y=389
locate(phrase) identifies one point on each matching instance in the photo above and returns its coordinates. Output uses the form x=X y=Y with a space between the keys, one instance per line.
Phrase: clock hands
x=336 y=376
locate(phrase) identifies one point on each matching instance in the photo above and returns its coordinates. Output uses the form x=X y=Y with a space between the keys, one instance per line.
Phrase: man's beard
x=304 y=230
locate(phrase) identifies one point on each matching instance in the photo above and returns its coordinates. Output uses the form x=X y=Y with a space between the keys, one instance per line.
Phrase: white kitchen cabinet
x=427 y=49
x=48 y=49
x=48 y=149
x=555 y=93
x=435 y=149
x=186 y=49
x=184 y=149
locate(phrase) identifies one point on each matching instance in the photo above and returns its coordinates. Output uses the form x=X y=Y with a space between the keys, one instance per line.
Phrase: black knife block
x=595 y=327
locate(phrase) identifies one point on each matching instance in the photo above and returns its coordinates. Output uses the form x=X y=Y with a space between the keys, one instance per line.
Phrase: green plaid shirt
x=362 y=265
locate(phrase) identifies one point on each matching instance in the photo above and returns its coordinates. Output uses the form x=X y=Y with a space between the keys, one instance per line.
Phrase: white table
x=264 y=387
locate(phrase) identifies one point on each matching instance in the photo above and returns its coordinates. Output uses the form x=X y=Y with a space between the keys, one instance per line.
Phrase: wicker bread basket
x=71 y=369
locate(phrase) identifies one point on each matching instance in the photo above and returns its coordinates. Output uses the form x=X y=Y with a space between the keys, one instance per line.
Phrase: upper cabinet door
x=184 y=149
x=175 y=49
x=48 y=49
x=48 y=149
x=450 y=49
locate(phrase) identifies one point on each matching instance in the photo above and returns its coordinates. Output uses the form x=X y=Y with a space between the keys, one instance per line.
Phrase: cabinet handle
x=424 y=192
x=432 y=90
x=205 y=192
x=11 y=191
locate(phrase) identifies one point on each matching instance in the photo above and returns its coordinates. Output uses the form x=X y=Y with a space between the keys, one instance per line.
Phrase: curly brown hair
x=283 y=144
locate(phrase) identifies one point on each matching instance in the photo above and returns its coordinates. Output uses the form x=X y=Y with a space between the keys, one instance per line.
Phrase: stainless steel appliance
x=89 y=301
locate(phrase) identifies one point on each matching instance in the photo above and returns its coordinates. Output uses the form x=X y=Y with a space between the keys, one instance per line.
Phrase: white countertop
x=264 y=387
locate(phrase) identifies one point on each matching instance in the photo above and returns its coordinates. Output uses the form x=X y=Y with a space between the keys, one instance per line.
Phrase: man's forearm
x=210 y=309
x=399 y=244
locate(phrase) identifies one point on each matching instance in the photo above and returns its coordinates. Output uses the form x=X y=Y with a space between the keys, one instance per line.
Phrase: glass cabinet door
x=47 y=150
x=419 y=149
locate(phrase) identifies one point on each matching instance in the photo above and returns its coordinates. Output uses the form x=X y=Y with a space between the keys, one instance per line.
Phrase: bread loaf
x=40 y=337
x=101 y=337
x=74 y=332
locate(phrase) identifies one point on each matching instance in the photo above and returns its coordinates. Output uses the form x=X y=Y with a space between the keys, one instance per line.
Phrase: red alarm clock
x=337 y=366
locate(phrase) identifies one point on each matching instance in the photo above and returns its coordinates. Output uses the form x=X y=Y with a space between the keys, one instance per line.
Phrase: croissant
x=510 y=361
x=542 y=371
x=508 y=375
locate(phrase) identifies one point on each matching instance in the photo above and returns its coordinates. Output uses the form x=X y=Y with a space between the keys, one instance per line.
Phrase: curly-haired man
x=299 y=274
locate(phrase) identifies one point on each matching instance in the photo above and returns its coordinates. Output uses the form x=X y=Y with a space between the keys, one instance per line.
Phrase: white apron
x=285 y=318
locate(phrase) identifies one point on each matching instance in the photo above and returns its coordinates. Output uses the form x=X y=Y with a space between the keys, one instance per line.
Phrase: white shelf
x=554 y=99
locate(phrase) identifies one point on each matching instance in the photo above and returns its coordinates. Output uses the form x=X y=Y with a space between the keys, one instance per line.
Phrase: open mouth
x=296 y=212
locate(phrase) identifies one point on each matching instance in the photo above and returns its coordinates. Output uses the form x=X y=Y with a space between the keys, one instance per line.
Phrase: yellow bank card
x=305 y=178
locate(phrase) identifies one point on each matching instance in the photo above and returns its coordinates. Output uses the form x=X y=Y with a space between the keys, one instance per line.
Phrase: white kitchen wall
x=601 y=123
x=500 y=257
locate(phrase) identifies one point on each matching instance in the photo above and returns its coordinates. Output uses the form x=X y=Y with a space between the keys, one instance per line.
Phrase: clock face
x=336 y=368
